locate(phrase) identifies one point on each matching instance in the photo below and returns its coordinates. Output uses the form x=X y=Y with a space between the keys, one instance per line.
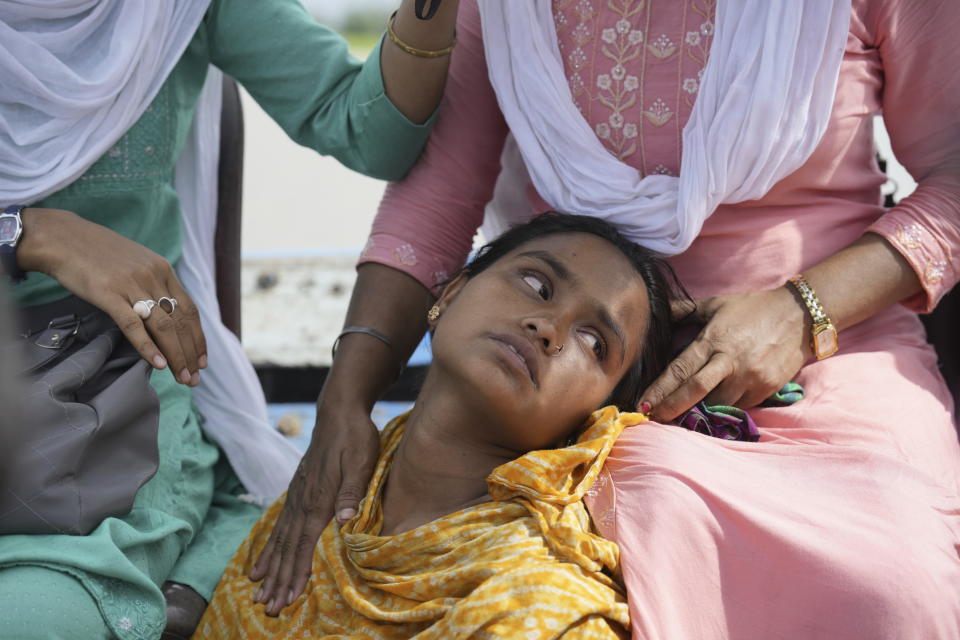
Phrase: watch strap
x=8 y=252
x=821 y=322
x=810 y=299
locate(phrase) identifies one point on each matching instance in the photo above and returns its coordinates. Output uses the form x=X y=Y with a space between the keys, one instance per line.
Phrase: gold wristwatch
x=823 y=337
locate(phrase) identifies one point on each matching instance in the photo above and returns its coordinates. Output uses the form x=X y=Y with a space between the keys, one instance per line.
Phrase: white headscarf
x=763 y=105
x=75 y=75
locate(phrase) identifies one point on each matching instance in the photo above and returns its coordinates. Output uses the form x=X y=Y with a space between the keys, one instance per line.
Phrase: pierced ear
x=450 y=293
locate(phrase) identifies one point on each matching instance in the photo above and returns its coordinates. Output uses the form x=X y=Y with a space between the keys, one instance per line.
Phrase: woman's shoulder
x=875 y=21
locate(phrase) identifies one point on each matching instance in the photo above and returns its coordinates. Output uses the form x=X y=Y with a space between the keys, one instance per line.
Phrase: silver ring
x=144 y=308
x=171 y=302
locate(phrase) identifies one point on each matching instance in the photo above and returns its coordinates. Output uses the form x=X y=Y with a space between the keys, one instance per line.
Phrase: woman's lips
x=521 y=352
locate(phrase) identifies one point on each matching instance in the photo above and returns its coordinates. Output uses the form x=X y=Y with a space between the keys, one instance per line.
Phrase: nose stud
x=559 y=349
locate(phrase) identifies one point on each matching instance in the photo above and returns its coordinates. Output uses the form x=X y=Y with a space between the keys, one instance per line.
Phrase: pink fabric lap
x=882 y=393
x=735 y=540
x=841 y=522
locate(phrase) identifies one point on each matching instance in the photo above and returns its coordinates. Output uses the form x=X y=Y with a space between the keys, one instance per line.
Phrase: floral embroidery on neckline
x=609 y=47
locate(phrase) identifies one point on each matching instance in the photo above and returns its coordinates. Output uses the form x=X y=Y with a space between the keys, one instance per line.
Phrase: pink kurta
x=844 y=520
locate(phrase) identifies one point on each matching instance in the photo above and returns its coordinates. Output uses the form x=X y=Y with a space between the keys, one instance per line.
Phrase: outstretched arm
x=374 y=117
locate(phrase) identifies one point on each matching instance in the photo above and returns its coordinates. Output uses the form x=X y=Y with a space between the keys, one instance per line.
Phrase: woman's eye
x=538 y=285
x=594 y=343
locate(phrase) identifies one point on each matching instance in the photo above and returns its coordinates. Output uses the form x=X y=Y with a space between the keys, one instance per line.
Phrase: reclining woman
x=473 y=522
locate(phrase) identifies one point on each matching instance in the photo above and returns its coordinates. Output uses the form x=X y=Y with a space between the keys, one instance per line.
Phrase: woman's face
x=541 y=338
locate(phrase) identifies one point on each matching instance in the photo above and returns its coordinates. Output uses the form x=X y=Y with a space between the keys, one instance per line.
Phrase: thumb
x=355 y=476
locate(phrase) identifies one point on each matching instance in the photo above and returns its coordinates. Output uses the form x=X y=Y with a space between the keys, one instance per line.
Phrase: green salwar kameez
x=189 y=519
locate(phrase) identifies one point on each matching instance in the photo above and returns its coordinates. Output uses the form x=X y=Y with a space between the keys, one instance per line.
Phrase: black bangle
x=418 y=9
x=367 y=331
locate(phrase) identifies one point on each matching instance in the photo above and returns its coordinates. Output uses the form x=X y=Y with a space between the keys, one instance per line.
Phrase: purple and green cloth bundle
x=731 y=423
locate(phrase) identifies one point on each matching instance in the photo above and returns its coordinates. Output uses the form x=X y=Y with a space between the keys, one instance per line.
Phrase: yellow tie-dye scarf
x=525 y=565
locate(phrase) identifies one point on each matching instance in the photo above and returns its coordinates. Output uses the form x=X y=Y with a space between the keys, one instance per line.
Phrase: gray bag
x=88 y=438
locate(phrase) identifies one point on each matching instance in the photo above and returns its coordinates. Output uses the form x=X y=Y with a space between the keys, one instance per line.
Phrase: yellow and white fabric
x=525 y=565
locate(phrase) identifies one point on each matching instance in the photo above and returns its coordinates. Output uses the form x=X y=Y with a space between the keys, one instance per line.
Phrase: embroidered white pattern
x=622 y=46
x=405 y=255
x=578 y=58
x=621 y=58
x=662 y=170
x=663 y=47
x=659 y=112
x=933 y=274
x=910 y=236
x=698 y=46
x=598 y=484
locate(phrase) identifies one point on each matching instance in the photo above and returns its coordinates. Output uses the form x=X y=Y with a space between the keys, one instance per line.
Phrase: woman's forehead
x=581 y=256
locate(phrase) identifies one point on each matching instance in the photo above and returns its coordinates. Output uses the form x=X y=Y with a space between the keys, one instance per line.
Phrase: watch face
x=825 y=341
x=8 y=229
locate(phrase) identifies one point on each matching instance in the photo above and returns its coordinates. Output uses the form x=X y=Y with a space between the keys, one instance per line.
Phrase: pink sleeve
x=426 y=223
x=917 y=40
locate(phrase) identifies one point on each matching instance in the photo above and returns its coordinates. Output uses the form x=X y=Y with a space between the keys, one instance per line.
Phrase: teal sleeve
x=302 y=75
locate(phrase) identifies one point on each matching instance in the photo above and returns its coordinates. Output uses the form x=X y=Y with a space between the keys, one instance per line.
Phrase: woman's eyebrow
x=606 y=318
x=559 y=269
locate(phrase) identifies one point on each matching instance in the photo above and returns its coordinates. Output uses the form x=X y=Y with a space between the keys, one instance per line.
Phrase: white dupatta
x=763 y=105
x=75 y=75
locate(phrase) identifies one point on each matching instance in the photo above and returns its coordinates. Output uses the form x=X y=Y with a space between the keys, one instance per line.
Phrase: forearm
x=392 y=303
x=415 y=84
x=754 y=342
x=862 y=280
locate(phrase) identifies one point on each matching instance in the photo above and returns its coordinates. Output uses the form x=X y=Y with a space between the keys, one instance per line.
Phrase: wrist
x=799 y=317
x=343 y=401
x=37 y=250
x=343 y=392
x=823 y=340
x=434 y=33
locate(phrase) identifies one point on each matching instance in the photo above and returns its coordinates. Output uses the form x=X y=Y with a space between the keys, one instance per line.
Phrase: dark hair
x=659 y=278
